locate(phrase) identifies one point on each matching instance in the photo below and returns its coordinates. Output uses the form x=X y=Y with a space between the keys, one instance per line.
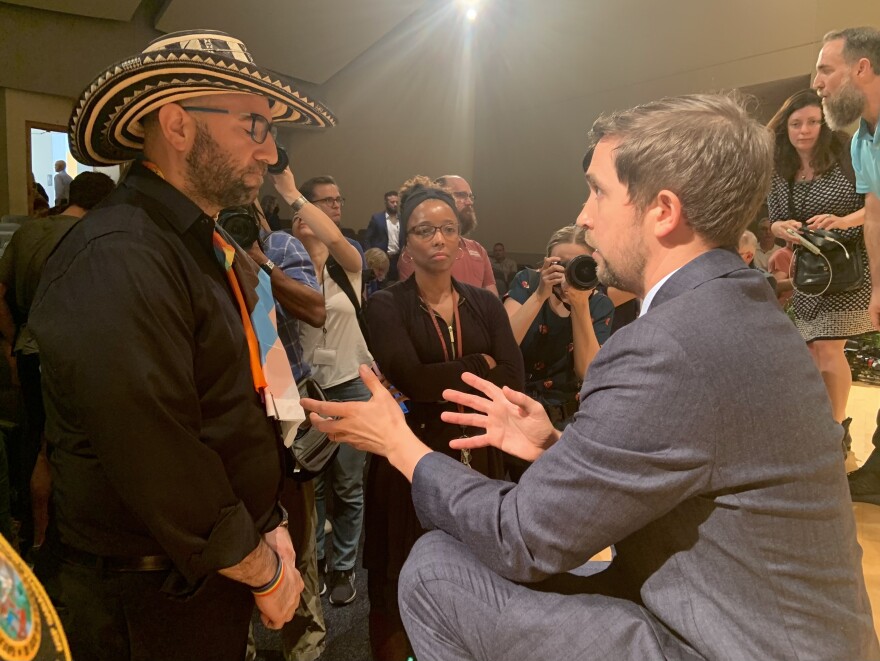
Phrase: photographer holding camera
x=560 y=321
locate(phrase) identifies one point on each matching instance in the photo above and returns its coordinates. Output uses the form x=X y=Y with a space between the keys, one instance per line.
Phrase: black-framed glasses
x=461 y=195
x=260 y=126
x=330 y=201
x=427 y=232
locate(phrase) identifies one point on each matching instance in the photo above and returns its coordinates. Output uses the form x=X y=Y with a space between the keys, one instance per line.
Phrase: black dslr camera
x=241 y=224
x=580 y=272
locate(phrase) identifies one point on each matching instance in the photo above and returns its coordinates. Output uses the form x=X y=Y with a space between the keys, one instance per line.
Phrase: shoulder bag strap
x=340 y=277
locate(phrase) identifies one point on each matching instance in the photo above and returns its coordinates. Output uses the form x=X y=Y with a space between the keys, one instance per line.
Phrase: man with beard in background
x=848 y=80
x=473 y=266
x=160 y=364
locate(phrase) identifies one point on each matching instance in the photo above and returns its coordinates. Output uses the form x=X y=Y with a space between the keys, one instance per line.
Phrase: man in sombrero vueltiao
x=165 y=382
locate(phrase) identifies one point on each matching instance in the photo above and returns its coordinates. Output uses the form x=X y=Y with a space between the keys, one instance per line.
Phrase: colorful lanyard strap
x=228 y=252
x=225 y=254
x=457 y=342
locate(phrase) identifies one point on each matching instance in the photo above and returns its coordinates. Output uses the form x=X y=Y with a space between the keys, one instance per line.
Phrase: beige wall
x=539 y=96
x=405 y=106
x=21 y=107
x=540 y=74
x=509 y=111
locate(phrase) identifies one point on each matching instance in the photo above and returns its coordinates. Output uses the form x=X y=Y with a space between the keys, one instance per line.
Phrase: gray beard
x=843 y=109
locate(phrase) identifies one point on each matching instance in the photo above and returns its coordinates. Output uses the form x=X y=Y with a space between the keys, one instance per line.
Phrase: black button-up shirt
x=160 y=444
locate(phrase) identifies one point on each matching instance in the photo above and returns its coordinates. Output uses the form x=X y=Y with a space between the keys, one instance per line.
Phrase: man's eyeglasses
x=260 y=126
x=330 y=201
x=461 y=195
x=427 y=232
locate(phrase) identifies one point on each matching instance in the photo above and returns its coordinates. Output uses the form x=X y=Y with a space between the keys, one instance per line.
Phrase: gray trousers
x=455 y=608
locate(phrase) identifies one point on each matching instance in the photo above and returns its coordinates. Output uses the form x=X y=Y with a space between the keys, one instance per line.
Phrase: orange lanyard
x=457 y=343
x=249 y=334
x=457 y=349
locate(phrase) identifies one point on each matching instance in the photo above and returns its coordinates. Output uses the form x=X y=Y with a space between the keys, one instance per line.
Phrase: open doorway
x=47 y=143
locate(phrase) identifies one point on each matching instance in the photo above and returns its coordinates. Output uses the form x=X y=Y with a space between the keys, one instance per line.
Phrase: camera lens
x=241 y=225
x=580 y=272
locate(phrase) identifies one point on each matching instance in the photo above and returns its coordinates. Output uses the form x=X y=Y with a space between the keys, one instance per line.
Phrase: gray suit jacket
x=706 y=452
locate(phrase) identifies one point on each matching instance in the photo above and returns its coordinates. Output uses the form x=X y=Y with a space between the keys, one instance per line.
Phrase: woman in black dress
x=814 y=186
x=425 y=332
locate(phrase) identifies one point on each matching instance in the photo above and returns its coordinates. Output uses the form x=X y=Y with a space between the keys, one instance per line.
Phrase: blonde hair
x=569 y=234
x=748 y=241
x=377 y=259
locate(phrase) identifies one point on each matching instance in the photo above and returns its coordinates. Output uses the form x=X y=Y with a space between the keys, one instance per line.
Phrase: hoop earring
x=460 y=253
x=406 y=257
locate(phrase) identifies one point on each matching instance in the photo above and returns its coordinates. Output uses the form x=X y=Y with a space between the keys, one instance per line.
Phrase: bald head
x=748 y=245
x=60 y=166
x=208 y=148
x=460 y=189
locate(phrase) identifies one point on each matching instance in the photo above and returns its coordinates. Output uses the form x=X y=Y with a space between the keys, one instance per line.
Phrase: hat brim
x=105 y=124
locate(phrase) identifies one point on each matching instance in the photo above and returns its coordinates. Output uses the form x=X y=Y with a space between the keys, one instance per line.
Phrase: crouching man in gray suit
x=726 y=502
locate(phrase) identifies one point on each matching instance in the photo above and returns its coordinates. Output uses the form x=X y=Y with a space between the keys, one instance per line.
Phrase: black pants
x=125 y=616
x=21 y=468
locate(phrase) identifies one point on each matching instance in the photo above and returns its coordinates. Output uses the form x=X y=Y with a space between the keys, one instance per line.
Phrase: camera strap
x=567 y=306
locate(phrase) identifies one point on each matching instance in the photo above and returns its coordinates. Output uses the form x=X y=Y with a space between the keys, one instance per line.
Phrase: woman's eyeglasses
x=427 y=232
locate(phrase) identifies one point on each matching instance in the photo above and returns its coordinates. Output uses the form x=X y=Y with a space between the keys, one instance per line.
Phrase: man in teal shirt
x=848 y=80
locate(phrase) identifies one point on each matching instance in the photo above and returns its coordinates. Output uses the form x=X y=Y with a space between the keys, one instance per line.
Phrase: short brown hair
x=704 y=148
x=307 y=188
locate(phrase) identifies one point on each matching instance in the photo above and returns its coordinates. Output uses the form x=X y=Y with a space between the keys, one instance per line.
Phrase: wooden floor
x=864 y=400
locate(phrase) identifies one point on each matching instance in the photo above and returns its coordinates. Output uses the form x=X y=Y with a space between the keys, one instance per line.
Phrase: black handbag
x=824 y=265
x=312 y=451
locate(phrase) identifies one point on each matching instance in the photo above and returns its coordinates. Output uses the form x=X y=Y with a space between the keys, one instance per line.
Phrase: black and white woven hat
x=105 y=126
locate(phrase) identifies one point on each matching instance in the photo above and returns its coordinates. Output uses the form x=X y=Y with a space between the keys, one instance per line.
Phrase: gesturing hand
x=514 y=422
x=376 y=426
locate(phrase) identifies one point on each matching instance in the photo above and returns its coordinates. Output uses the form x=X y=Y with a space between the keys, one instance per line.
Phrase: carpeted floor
x=346 y=629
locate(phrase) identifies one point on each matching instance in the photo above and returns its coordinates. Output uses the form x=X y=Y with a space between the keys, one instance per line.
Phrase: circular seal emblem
x=29 y=625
